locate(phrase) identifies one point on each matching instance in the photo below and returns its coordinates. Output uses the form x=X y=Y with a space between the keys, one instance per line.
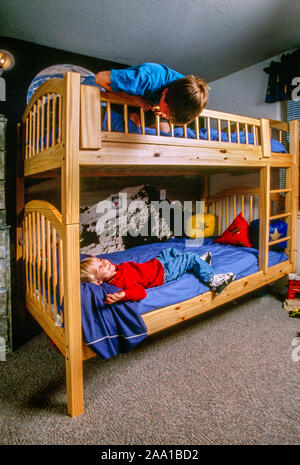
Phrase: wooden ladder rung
x=279 y=191
x=279 y=240
x=281 y=215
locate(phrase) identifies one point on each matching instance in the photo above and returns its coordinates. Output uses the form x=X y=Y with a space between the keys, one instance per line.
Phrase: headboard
x=227 y=204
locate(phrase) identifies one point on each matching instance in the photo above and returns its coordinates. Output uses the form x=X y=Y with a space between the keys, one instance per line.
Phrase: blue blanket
x=112 y=329
x=109 y=329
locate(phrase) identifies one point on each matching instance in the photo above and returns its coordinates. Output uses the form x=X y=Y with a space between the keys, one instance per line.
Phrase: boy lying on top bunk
x=158 y=90
x=134 y=278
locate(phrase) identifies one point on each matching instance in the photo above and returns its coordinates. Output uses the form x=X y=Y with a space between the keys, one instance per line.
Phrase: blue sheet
x=117 y=125
x=112 y=329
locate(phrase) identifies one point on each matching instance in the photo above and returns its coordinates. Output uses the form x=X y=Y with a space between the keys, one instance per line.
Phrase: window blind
x=290 y=109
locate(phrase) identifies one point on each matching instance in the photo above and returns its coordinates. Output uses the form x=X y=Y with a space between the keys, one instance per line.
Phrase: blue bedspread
x=112 y=329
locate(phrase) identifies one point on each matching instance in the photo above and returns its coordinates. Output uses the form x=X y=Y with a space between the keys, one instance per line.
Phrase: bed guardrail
x=214 y=122
x=43 y=118
x=227 y=204
x=52 y=287
x=43 y=235
x=210 y=126
x=47 y=117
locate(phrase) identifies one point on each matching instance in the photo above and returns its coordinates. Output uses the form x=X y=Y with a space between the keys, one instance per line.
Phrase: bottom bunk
x=75 y=315
x=109 y=329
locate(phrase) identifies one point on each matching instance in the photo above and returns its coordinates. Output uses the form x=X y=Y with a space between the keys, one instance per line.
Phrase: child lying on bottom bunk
x=133 y=278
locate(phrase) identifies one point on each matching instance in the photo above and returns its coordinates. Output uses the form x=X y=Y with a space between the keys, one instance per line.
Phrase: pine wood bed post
x=292 y=182
x=70 y=191
x=264 y=201
x=264 y=214
x=204 y=190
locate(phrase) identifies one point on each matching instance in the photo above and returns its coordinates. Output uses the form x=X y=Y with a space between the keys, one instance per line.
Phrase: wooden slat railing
x=52 y=275
x=227 y=204
x=43 y=119
x=209 y=120
x=43 y=256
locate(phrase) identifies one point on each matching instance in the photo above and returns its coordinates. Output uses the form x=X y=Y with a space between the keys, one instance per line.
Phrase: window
x=290 y=109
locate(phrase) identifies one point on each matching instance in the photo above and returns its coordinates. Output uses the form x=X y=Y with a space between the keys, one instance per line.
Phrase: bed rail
x=253 y=204
x=219 y=127
x=43 y=255
x=208 y=119
x=226 y=204
x=43 y=125
x=62 y=127
x=52 y=277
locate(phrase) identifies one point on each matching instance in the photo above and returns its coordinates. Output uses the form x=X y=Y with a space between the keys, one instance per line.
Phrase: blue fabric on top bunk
x=112 y=329
x=117 y=125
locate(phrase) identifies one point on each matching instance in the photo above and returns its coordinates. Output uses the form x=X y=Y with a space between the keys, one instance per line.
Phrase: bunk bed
x=65 y=134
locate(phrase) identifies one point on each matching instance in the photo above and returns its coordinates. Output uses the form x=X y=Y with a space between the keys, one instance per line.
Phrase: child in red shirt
x=133 y=278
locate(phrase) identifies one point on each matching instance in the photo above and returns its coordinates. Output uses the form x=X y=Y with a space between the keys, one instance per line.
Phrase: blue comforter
x=112 y=329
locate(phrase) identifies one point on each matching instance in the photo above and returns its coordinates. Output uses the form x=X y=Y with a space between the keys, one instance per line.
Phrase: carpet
x=230 y=376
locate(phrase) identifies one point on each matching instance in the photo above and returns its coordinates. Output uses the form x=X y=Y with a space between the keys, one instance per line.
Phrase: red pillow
x=237 y=233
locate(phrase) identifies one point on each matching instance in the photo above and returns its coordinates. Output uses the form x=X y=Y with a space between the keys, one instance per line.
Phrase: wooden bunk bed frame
x=62 y=136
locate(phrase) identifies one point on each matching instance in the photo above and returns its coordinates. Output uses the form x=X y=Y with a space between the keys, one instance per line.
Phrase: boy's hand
x=112 y=298
x=156 y=109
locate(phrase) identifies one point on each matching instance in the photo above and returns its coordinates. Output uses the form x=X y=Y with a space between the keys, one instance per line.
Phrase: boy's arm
x=132 y=294
x=103 y=79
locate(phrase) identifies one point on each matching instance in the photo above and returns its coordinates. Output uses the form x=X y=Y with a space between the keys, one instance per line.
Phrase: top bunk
x=68 y=124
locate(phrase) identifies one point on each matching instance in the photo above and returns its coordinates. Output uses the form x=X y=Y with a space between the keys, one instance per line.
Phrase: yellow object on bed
x=200 y=225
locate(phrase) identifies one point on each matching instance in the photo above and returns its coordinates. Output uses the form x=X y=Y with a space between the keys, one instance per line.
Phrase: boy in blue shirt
x=158 y=88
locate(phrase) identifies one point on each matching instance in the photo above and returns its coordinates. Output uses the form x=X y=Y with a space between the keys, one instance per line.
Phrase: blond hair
x=86 y=269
